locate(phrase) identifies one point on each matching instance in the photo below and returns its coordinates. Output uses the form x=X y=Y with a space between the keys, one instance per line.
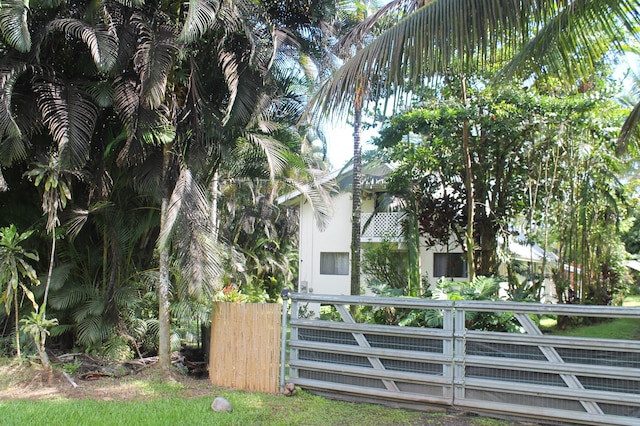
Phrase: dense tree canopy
x=542 y=165
x=139 y=105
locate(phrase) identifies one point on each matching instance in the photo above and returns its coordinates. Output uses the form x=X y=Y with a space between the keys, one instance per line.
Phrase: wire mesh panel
x=523 y=371
x=390 y=361
x=509 y=367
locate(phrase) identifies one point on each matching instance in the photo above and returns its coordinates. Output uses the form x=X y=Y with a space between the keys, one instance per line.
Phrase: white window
x=451 y=265
x=334 y=263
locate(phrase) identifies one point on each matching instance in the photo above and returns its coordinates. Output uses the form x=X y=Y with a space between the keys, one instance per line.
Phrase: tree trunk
x=15 y=312
x=415 y=285
x=468 y=183
x=164 y=331
x=214 y=206
x=42 y=336
x=356 y=210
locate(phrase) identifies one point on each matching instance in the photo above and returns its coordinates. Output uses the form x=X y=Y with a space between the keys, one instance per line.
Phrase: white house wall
x=336 y=237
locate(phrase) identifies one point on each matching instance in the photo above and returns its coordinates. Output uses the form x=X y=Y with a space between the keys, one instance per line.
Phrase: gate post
x=283 y=339
x=460 y=353
x=448 y=349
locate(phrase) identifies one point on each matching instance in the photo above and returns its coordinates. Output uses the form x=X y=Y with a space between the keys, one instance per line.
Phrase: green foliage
x=197 y=91
x=382 y=264
x=263 y=258
x=36 y=325
x=631 y=237
x=72 y=367
x=15 y=266
x=482 y=288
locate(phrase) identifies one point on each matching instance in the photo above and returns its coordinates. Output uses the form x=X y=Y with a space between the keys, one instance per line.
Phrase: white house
x=324 y=255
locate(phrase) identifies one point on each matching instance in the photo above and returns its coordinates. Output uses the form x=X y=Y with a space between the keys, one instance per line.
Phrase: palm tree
x=366 y=24
x=168 y=93
x=534 y=37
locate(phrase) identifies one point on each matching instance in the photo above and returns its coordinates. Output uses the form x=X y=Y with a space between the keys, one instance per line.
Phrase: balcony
x=383 y=226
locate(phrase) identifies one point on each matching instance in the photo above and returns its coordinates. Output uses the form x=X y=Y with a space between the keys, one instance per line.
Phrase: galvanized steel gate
x=525 y=373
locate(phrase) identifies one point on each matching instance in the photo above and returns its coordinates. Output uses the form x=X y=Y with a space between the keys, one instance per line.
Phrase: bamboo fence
x=245 y=346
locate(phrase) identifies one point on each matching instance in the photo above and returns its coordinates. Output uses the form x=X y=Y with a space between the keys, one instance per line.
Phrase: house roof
x=520 y=249
x=373 y=177
x=633 y=264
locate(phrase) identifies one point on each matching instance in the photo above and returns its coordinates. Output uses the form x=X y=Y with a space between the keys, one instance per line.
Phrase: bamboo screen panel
x=245 y=346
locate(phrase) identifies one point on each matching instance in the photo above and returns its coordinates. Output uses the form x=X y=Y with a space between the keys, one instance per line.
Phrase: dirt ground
x=29 y=381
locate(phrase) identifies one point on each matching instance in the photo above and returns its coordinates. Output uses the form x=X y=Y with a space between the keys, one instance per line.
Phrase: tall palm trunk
x=356 y=210
x=468 y=183
x=164 y=331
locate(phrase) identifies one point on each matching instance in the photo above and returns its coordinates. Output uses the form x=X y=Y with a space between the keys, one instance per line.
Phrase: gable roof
x=374 y=176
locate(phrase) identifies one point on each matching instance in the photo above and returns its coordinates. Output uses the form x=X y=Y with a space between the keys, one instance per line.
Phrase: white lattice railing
x=382 y=226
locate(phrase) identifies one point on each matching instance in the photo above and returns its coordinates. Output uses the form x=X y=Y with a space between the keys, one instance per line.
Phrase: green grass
x=149 y=400
x=619 y=328
x=248 y=409
x=630 y=301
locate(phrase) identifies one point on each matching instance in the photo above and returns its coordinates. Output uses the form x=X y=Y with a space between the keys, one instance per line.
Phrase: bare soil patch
x=31 y=381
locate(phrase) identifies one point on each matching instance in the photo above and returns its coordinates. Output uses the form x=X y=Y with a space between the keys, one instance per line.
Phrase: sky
x=340 y=143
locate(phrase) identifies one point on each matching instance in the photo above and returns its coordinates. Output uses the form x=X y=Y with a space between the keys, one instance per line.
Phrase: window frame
x=334 y=263
x=451 y=268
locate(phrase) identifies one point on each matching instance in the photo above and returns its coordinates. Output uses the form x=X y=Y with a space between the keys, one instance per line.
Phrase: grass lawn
x=27 y=398
x=620 y=328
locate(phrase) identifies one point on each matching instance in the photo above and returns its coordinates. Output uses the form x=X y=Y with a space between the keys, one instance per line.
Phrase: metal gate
x=521 y=372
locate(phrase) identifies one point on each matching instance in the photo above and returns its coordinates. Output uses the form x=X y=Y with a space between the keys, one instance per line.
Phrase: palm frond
x=229 y=64
x=102 y=43
x=202 y=16
x=260 y=33
x=143 y=125
x=127 y=103
x=391 y=11
x=318 y=193
x=13 y=23
x=187 y=199
x=72 y=296
x=93 y=329
x=13 y=149
x=102 y=93
x=630 y=129
x=9 y=75
x=186 y=227
x=3 y=182
x=574 y=40
x=93 y=307
x=126 y=296
x=273 y=151
x=153 y=59
x=460 y=34
x=70 y=118
x=117 y=348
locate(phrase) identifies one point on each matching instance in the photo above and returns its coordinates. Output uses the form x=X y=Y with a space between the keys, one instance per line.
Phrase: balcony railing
x=383 y=226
